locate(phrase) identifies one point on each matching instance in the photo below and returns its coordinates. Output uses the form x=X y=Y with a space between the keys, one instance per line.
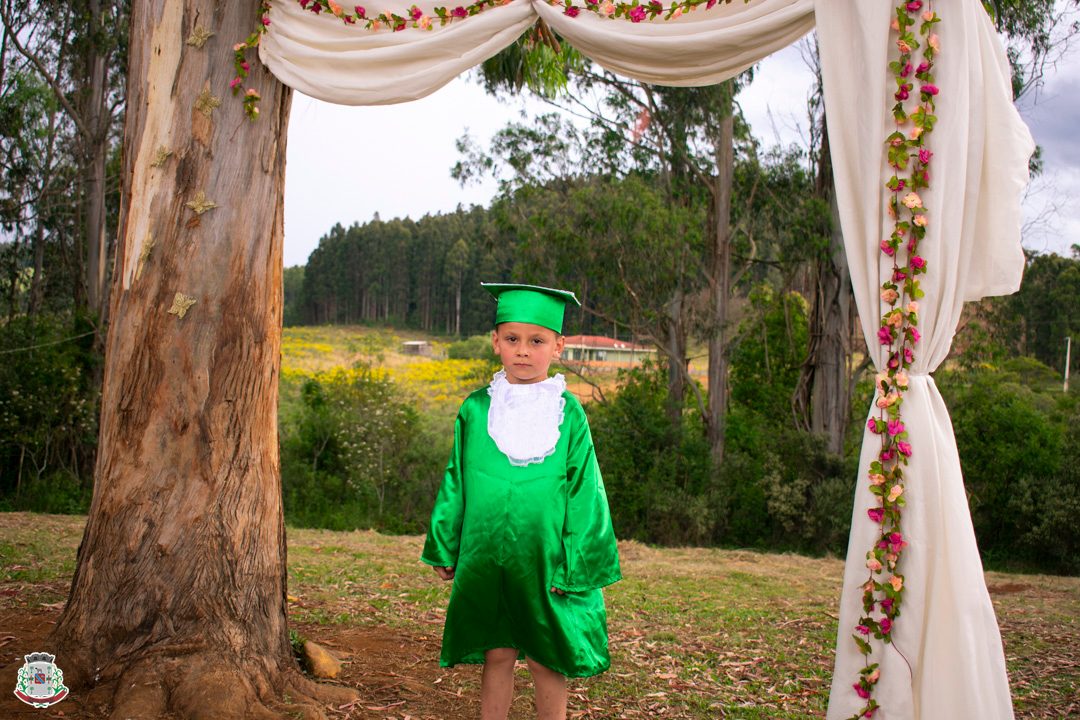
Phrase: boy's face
x=526 y=351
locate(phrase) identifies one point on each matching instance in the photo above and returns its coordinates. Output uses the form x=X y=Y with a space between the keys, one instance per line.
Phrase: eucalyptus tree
x=178 y=599
x=79 y=52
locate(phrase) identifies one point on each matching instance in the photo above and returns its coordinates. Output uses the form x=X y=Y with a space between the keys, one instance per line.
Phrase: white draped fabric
x=947 y=631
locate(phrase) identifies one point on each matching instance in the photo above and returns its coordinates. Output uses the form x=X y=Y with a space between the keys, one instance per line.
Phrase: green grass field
x=695 y=633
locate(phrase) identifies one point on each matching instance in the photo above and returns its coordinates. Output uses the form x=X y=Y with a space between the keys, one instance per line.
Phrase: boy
x=521 y=522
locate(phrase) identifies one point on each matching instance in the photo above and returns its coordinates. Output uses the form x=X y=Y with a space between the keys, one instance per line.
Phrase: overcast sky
x=344 y=164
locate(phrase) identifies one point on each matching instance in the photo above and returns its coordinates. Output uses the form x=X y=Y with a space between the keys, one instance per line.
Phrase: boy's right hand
x=446 y=573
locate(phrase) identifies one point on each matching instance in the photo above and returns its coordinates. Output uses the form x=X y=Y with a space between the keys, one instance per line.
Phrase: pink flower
x=873 y=677
x=929 y=90
x=886 y=455
x=925 y=155
x=871 y=425
x=918 y=263
x=246 y=66
x=896 y=427
x=933 y=42
x=235 y=83
x=887 y=248
x=239 y=46
x=425 y=22
x=862 y=629
x=894 y=361
x=889 y=295
x=253 y=93
x=904 y=47
x=914 y=6
x=885 y=336
x=876 y=514
x=459 y=12
x=877 y=479
x=906 y=70
x=886 y=626
x=902 y=379
x=360 y=12
x=895 y=318
x=886 y=605
x=415 y=13
x=709 y=5
x=608 y=8
x=909 y=356
x=913 y=307
x=923 y=67
x=915 y=336
x=920 y=220
x=899 y=275
x=861 y=691
x=677 y=13
x=335 y=8
x=265 y=21
x=894 y=24
x=928 y=15
x=637 y=13
x=571 y=11
x=897 y=582
x=912 y=201
x=903 y=448
x=902 y=94
x=874 y=564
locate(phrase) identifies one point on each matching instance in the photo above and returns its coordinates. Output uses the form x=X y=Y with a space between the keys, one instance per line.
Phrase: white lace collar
x=524 y=420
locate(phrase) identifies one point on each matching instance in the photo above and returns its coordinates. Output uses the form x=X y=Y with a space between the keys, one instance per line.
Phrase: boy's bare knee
x=501 y=656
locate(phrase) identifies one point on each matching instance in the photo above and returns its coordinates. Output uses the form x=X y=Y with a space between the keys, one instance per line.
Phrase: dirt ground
x=397 y=675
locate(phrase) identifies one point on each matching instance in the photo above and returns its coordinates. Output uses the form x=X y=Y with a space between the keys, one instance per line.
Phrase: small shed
x=416 y=347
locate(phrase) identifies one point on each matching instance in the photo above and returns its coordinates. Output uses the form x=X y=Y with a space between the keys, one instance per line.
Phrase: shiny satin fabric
x=512 y=533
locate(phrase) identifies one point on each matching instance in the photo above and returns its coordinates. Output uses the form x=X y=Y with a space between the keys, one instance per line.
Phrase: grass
x=695 y=633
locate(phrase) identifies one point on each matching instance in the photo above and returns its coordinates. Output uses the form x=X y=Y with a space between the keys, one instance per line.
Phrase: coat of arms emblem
x=40 y=682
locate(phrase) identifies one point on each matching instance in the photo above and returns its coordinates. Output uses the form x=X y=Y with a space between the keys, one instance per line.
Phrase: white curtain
x=947 y=630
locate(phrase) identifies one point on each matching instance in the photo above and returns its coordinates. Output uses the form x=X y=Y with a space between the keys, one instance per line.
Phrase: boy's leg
x=550 y=692
x=497 y=683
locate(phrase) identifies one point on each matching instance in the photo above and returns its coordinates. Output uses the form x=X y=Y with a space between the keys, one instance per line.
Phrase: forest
x=666 y=214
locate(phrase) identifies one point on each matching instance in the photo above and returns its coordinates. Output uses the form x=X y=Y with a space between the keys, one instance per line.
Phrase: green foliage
x=477 y=347
x=293 y=281
x=766 y=363
x=658 y=480
x=48 y=414
x=1016 y=436
x=1036 y=320
x=355 y=454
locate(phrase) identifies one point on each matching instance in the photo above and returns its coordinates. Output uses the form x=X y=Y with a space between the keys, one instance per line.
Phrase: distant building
x=597 y=348
x=416 y=347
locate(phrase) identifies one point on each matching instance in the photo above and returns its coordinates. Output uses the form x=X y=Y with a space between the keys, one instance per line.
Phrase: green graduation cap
x=530 y=304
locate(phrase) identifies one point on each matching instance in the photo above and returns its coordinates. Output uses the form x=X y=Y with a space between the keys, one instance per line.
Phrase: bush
x=477 y=347
x=48 y=414
x=658 y=478
x=355 y=455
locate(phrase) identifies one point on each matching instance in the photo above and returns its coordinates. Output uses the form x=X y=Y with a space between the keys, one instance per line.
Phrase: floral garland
x=414 y=17
x=909 y=159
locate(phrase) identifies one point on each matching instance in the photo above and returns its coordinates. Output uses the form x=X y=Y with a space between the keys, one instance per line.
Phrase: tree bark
x=823 y=393
x=720 y=276
x=180 y=582
x=97 y=119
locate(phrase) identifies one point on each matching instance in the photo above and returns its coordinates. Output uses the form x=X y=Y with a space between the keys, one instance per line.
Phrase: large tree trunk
x=823 y=394
x=180 y=583
x=720 y=276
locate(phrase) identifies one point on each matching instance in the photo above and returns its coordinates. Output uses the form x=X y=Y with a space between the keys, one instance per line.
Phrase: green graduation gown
x=514 y=532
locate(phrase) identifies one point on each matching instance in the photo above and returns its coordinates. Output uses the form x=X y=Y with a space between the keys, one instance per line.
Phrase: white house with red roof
x=597 y=348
